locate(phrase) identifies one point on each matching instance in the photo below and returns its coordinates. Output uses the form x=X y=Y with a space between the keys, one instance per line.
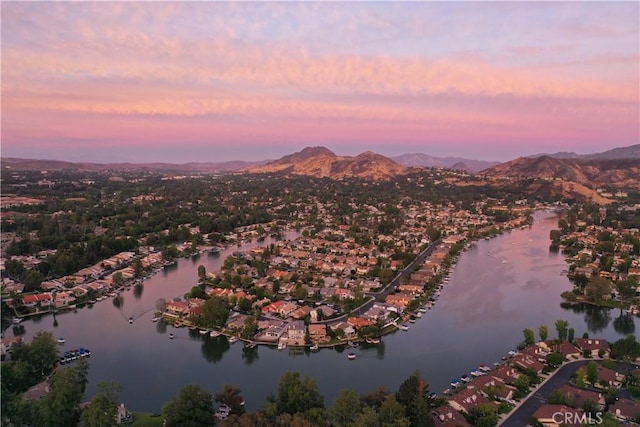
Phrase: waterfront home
x=296 y=332
x=557 y=415
x=400 y=300
x=236 y=321
x=536 y=351
x=359 y=322
x=525 y=362
x=625 y=410
x=271 y=330
x=349 y=331
x=595 y=346
x=411 y=289
x=177 y=307
x=579 y=396
x=565 y=348
x=491 y=385
x=318 y=333
x=44 y=299
x=467 y=399
x=62 y=299
x=506 y=374
x=446 y=416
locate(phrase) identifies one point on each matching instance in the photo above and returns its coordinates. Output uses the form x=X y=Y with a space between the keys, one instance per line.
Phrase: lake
x=498 y=288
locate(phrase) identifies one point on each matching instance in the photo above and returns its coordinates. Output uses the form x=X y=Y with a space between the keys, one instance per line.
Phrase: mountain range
x=619 y=167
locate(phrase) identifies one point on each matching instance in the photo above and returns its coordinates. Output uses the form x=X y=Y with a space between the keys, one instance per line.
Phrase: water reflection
x=624 y=323
x=138 y=288
x=118 y=302
x=596 y=318
x=161 y=327
x=250 y=355
x=214 y=348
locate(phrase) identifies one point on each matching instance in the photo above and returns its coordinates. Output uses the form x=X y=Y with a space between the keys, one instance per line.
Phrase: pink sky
x=213 y=81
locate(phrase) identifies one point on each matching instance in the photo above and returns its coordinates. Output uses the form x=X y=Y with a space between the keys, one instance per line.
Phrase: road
x=523 y=413
x=403 y=274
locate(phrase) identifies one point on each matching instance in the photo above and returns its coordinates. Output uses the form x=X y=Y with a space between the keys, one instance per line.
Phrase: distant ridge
x=620 y=173
x=322 y=162
x=457 y=163
x=207 y=167
x=630 y=152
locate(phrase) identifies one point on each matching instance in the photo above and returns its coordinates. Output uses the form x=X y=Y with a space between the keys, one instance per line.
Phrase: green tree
x=61 y=406
x=137 y=268
x=202 y=273
x=117 y=278
x=592 y=372
x=413 y=395
x=561 y=328
x=392 y=413
x=626 y=348
x=483 y=415
x=529 y=336
x=345 y=408
x=543 y=331
x=555 y=359
x=103 y=408
x=215 y=312
x=191 y=407
x=297 y=395
x=570 y=334
x=627 y=288
x=598 y=288
x=32 y=281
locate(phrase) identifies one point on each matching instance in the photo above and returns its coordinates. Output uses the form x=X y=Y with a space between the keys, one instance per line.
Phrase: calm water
x=498 y=288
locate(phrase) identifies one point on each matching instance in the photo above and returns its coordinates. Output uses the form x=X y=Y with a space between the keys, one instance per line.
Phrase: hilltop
x=321 y=162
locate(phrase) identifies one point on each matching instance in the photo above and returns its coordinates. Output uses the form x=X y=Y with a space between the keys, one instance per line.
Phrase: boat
x=512 y=353
x=61 y=340
x=465 y=378
x=373 y=340
x=214 y=334
x=412 y=320
x=214 y=250
x=250 y=345
x=484 y=368
x=352 y=344
x=130 y=320
x=155 y=319
x=315 y=347
x=455 y=383
x=17 y=320
x=404 y=327
x=232 y=340
x=282 y=345
x=203 y=332
x=418 y=315
x=351 y=356
x=422 y=309
x=171 y=336
x=477 y=373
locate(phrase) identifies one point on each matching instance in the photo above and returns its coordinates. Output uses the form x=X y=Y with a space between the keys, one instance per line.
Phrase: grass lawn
x=145 y=419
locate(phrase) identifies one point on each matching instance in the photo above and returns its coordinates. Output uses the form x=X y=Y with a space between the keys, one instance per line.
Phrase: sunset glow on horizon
x=216 y=81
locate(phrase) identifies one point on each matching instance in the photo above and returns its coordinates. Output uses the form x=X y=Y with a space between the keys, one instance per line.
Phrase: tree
x=561 y=328
x=32 y=281
x=529 y=336
x=555 y=359
x=543 y=331
x=627 y=288
x=483 y=415
x=626 y=348
x=161 y=304
x=592 y=372
x=191 y=407
x=215 y=312
x=297 y=395
x=232 y=397
x=61 y=406
x=202 y=273
x=40 y=355
x=392 y=413
x=346 y=408
x=137 y=268
x=103 y=408
x=570 y=334
x=598 y=288
x=413 y=395
x=117 y=278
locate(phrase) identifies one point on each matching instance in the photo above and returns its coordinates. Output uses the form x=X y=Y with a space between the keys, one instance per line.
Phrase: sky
x=216 y=81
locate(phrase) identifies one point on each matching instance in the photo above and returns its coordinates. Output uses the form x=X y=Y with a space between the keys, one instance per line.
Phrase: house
x=565 y=348
x=594 y=346
x=446 y=416
x=296 y=333
x=467 y=399
x=318 y=333
x=349 y=331
x=32 y=300
x=525 y=362
x=177 y=307
x=578 y=396
x=608 y=377
x=286 y=309
x=558 y=415
x=359 y=322
x=301 y=312
x=625 y=409
x=273 y=307
x=272 y=329
x=490 y=385
x=236 y=321
x=506 y=374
